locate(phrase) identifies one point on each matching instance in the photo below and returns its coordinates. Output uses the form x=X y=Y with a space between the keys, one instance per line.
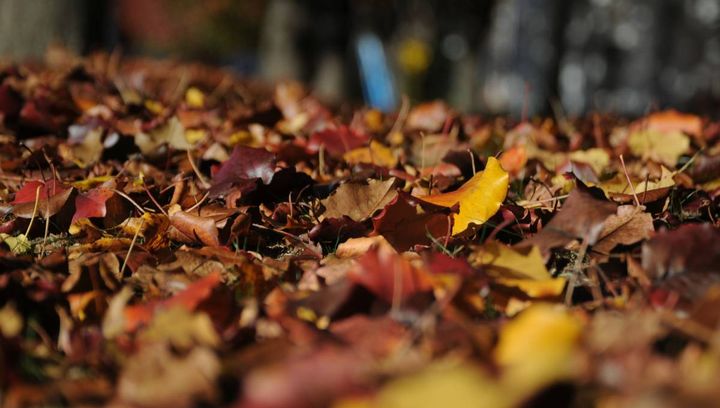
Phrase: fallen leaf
x=157 y=377
x=523 y=269
x=691 y=248
x=181 y=329
x=195 y=227
x=628 y=226
x=537 y=348
x=479 y=198
x=84 y=147
x=582 y=216
x=246 y=164
x=359 y=246
x=647 y=191
x=657 y=146
x=359 y=201
x=671 y=121
x=188 y=299
x=404 y=223
x=389 y=276
x=428 y=116
x=337 y=141
x=50 y=198
x=376 y=154
x=91 y=204
x=172 y=134
x=443 y=385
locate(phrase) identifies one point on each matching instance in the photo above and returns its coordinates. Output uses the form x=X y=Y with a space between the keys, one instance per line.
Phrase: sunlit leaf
x=479 y=198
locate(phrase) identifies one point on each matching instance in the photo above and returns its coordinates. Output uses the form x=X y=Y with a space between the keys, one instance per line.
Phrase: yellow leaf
x=657 y=146
x=479 y=198
x=195 y=98
x=537 y=348
x=11 y=322
x=19 y=244
x=194 y=135
x=376 y=153
x=522 y=269
x=596 y=157
x=444 y=385
x=90 y=182
x=181 y=328
x=154 y=106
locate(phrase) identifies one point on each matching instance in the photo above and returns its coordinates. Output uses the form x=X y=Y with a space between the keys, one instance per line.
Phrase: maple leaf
x=478 y=199
x=245 y=165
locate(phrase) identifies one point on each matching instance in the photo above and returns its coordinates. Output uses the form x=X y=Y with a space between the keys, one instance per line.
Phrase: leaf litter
x=174 y=236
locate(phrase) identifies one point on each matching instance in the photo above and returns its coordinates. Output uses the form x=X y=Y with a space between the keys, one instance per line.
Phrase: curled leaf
x=479 y=198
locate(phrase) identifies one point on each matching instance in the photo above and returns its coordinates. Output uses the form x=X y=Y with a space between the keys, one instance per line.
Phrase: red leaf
x=337 y=141
x=245 y=164
x=404 y=224
x=51 y=198
x=380 y=269
x=189 y=299
x=92 y=203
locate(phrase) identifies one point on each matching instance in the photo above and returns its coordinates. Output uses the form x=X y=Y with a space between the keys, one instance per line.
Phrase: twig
x=127 y=197
x=32 y=218
x=162 y=210
x=627 y=176
x=132 y=245
x=199 y=175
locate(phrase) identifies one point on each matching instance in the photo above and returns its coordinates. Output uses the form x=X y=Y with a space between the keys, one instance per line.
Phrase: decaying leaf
x=628 y=226
x=359 y=201
x=582 y=216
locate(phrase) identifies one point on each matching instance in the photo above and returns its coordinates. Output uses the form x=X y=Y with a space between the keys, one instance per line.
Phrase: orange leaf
x=188 y=299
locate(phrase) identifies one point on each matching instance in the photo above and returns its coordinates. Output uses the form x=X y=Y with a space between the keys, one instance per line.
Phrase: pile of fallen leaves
x=171 y=236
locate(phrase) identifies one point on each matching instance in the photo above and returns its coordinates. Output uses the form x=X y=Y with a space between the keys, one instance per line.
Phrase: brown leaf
x=405 y=224
x=582 y=216
x=359 y=201
x=195 y=227
x=156 y=377
x=246 y=164
x=50 y=197
x=628 y=226
x=389 y=276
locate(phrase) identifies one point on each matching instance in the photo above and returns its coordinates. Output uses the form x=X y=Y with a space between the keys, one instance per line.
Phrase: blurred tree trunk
x=28 y=27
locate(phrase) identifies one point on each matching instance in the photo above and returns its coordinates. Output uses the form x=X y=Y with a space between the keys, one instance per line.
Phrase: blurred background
x=517 y=57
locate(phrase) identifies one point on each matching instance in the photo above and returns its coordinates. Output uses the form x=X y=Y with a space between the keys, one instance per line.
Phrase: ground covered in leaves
x=172 y=236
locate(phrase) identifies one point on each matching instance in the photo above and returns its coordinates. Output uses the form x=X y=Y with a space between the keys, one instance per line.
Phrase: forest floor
x=171 y=236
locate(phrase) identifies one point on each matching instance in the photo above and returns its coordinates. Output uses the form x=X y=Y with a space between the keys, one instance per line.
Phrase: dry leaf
x=359 y=201
x=522 y=269
x=478 y=199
